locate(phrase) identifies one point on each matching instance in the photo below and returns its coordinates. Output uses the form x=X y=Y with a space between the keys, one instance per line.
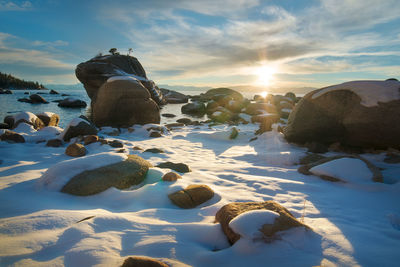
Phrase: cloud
x=15 y=6
x=50 y=44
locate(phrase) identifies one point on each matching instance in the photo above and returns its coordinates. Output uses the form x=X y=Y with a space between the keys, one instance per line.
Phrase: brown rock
x=140 y=261
x=155 y=134
x=121 y=175
x=260 y=108
x=88 y=139
x=115 y=143
x=54 y=143
x=51 y=120
x=75 y=150
x=11 y=136
x=191 y=196
x=284 y=222
x=171 y=177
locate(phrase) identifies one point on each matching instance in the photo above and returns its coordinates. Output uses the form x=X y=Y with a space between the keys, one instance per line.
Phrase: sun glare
x=265 y=75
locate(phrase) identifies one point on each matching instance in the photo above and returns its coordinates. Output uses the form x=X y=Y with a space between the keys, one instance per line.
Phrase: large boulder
x=121 y=175
x=358 y=114
x=124 y=102
x=117 y=85
x=71 y=102
x=194 y=108
x=284 y=222
x=218 y=94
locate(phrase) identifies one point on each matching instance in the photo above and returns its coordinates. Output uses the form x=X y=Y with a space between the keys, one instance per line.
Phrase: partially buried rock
x=13 y=137
x=168 y=115
x=72 y=103
x=374 y=172
x=49 y=118
x=185 y=121
x=24 y=117
x=191 y=196
x=115 y=143
x=121 y=175
x=155 y=134
x=140 y=261
x=171 y=177
x=179 y=167
x=154 y=150
x=234 y=133
x=284 y=222
x=54 y=143
x=75 y=150
x=89 y=139
x=77 y=127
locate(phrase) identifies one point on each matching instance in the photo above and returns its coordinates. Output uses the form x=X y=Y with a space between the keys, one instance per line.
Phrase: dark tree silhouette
x=11 y=82
x=113 y=51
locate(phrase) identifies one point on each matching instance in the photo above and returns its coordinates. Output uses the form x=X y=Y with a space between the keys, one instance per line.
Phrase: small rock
x=168 y=115
x=4 y=125
x=154 y=150
x=179 y=167
x=89 y=139
x=54 y=143
x=234 y=133
x=174 y=125
x=122 y=150
x=171 y=177
x=75 y=150
x=37 y=99
x=191 y=196
x=115 y=143
x=141 y=261
x=155 y=134
x=392 y=158
x=11 y=136
x=185 y=121
x=137 y=148
x=72 y=103
x=53 y=92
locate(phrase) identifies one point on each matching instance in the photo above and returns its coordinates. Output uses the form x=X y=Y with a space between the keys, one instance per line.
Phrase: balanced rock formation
x=228 y=212
x=121 y=175
x=120 y=92
x=357 y=114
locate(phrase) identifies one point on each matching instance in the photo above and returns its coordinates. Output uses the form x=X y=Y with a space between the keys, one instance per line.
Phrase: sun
x=265 y=74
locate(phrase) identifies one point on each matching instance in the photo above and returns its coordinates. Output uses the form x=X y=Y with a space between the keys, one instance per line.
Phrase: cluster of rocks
x=224 y=105
x=5 y=91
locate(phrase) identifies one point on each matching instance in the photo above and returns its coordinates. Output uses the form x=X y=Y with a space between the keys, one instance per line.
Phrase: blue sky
x=206 y=43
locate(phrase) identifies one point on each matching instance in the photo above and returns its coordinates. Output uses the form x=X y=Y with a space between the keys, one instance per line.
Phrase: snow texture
x=370 y=92
x=346 y=169
x=28 y=116
x=249 y=223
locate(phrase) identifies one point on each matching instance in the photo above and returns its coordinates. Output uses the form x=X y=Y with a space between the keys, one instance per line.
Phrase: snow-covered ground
x=354 y=224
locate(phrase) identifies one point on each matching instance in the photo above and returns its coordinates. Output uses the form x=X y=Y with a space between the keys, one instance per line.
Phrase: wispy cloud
x=15 y=5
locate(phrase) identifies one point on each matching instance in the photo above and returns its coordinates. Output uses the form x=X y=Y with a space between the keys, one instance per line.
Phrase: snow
x=248 y=224
x=346 y=169
x=122 y=78
x=27 y=116
x=287 y=110
x=370 y=92
x=47 y=114
x=353 y=224
x=59 y=174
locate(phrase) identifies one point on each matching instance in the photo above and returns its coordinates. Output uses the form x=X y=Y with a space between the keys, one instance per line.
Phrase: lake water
x=9 y=105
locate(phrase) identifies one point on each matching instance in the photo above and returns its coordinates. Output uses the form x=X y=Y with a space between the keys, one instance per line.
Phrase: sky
x=269 y=44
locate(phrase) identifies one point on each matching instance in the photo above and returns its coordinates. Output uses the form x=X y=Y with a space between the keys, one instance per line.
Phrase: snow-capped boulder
x=120 y=92
x=270 y=219
x=122 y=102
x=347 y=168
x=77 y=127
x=93 y=174
x=358 y=113
x=191 y=196
x=11 y=136
x=49 y=118
x=24 y=117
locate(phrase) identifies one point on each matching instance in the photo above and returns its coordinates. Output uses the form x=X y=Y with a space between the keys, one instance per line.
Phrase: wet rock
x=191 y=196
x=115 y=143
x=53 y=92
x=155 y=134
x=179 y=167
x=173 y=97
x=285 y=221
x=75 y=150
x=121 y=175
x=168 y=115
x=194 y=108
x=72 y=103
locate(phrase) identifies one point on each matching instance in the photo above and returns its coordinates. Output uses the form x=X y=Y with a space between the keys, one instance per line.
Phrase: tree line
x=7 y=81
